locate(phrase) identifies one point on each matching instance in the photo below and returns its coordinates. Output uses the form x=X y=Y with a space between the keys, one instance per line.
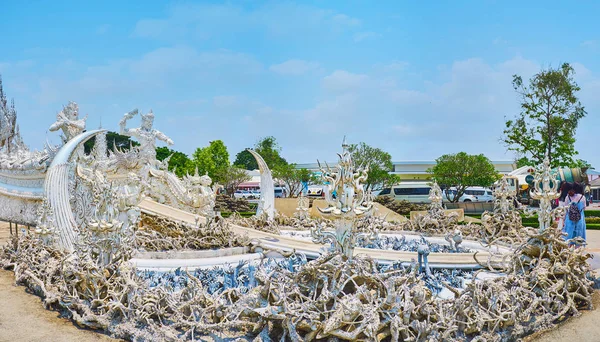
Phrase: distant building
x=416 y=170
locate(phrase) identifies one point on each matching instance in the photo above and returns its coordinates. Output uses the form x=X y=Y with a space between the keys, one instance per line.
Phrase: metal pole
x=10 y=225
x=17 y=230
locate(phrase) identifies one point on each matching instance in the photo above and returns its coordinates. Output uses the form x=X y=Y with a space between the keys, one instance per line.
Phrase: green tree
x=547 y=124
x=113 y=139
x=212 y=160
x=583 y=164
x=231 y=177
x=379 y=163
x=245 y=160
x=179 y=162
x=269 y=150
x=293 y=178
x=462 y=170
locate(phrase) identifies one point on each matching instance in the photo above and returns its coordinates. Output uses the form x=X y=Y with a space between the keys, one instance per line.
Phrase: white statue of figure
x=68 y=120
x=145 y=135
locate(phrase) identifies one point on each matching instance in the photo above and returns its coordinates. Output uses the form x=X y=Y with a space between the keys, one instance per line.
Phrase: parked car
x=242 y=194
x=471 y=194
x=449 y=194
x=315 y=191
x=414 y=192
x=280 y=192
x=481 y=194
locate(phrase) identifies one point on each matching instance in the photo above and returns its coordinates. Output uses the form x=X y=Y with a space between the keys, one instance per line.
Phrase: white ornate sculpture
x=200 y=192
x=504 y=196
x=266 y=206
x=435 y=196
x=545 y=189
x=347 y=182
x=145 y=135
x=57 y=190
x=68 y=121
x=302 y=209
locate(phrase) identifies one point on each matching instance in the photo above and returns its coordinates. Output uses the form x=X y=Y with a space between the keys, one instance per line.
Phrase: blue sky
x=416 y=79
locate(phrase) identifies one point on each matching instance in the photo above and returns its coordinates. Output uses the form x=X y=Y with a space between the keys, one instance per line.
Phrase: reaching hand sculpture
x=68 y=121
x=145 y=135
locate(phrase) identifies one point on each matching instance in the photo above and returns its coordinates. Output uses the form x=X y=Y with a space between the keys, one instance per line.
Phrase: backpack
x=574 y=212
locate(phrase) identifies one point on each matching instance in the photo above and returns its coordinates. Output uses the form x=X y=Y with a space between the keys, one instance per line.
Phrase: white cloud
x=294 y=67
x=403 y=129
x=500 y=41
x=341 y=80
x=360 y=36
x=396 y=66
x=225 y=101
x=204 y=21
x=590 y=44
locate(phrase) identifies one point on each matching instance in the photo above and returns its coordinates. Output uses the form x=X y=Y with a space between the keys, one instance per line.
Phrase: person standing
x=575 y=202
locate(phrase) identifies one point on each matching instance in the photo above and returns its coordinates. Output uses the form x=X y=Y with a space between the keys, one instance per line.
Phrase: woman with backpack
x=575 y=202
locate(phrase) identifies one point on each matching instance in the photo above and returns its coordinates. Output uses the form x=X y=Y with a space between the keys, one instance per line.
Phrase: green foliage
x=269 y=150
x=113 y=139
x=212 y=160
x=293 y=177
x=379 y=163
x=592 y=213
x=582 y=164
x=462 y=170
x=180 y=163
x=549 y=118
x=245 y=160
x=232 y=177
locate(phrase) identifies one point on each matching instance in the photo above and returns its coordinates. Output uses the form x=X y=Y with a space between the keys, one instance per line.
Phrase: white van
x=414 y=192
x=471 y=194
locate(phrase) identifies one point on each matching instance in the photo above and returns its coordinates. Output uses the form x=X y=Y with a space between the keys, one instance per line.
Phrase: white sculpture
x=68 y=121
x=145 y=135
x=351 y=202
x=546 y=189
x=504 y=196
x=435 y=196
x=266 y=206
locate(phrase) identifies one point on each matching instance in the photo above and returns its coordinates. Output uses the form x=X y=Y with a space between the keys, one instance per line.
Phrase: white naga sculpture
x=145 y=135
x=68 y=121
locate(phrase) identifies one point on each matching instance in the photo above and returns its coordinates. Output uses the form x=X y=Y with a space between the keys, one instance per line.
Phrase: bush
x=400 y=207
x=592 y=219
x=592 y=213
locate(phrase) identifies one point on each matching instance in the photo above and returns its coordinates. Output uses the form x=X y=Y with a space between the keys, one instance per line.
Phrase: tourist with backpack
x=575 y=203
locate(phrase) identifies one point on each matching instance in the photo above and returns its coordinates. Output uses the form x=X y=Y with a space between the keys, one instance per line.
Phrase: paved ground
x=23 y=318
